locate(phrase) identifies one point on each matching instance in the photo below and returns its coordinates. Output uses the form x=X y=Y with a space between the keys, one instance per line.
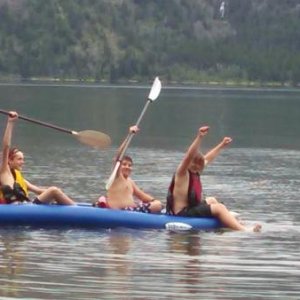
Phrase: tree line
x=180 y=40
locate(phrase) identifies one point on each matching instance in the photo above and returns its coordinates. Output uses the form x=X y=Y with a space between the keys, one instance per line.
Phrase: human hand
x=133 y=129
x=12 y=116
x=226 y=141
x=203 y=130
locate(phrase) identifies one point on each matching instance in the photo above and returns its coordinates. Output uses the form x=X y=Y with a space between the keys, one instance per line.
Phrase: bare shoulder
x=131 y=182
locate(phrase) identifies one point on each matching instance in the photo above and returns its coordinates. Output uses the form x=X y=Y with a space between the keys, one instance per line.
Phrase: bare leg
x=222 y=213
x=155 y=206
x=211 y=200
x=54 y=193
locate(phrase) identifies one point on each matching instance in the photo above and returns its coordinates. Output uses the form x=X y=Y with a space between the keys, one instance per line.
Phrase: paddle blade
x=155 y=89
x=113 y=175
x=93 y=138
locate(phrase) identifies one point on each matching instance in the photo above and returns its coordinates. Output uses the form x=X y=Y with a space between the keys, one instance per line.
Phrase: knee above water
x=156 y=205
x=211 y=200
x=218 y=207
x=54 y=189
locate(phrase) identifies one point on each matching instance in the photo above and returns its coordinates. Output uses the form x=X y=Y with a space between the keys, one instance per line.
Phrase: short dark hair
x=127 y=158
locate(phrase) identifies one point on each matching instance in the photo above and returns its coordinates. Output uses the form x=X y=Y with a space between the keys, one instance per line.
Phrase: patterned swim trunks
x=142 y=207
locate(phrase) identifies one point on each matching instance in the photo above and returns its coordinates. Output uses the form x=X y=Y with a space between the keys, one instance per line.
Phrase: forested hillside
x=180 y=40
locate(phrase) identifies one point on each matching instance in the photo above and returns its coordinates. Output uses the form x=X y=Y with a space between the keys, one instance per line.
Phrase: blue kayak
x=87 y=216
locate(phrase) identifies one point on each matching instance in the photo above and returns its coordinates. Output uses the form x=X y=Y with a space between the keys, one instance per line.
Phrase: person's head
x=15 y=158
x=198 y=163
x=126 y=166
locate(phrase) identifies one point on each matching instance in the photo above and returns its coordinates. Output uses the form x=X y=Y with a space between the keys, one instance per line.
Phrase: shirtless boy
x=123 y=191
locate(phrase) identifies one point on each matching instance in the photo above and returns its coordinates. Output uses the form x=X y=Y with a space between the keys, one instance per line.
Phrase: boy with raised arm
x=185 y=191
x=123 y=191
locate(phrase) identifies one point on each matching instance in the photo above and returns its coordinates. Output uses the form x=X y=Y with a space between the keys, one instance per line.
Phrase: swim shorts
x=142 y=207
x=37 y=201
x=201 y=210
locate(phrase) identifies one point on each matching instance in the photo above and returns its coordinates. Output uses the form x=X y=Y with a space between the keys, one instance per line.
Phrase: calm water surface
x=258 y=176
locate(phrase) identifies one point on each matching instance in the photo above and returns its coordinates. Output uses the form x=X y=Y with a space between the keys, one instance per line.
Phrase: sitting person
x=13 y=186
x=185 y=191
x=123 y=191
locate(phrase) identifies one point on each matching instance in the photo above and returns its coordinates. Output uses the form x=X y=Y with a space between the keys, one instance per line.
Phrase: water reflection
x=188 y=271
x=184 y=243
x=11 y=262
x=119 y=245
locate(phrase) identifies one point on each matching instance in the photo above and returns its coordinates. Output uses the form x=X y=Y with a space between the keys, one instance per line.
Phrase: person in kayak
x=14 y=187
x=185 y=191
x=123 y=191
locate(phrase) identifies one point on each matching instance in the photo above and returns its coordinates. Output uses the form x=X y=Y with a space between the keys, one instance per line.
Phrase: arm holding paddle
x=92 y=138
x=132 y=130
x=120 y=155
x=154 y=93
x=137 y=192
x=121 y=189
x=6 y=144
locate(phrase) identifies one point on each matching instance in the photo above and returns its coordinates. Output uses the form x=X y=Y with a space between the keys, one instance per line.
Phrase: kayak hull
x=86 y=216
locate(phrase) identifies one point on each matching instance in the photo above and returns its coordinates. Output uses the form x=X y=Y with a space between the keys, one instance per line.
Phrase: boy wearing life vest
x=13 y=186
x=185 y=191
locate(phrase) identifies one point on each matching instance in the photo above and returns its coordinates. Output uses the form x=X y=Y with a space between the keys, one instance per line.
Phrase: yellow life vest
x=19 y=179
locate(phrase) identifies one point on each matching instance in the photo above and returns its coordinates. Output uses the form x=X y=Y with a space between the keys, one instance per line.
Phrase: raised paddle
x=92 y=138
x=154 y=93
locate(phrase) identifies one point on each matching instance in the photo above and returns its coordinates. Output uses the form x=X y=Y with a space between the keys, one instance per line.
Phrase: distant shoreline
x=230 y=84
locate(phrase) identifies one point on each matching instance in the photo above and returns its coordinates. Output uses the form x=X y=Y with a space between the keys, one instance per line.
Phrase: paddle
x=154 y=93
x=92 y=138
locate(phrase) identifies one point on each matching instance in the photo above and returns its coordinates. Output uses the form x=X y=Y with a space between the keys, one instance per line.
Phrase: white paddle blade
x=155 y=89
x=112 y=176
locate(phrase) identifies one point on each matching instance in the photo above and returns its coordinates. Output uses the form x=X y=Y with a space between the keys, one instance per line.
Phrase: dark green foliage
x=180 y=40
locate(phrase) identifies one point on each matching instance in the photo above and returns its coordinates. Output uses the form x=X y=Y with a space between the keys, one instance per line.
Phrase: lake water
x=258 y=176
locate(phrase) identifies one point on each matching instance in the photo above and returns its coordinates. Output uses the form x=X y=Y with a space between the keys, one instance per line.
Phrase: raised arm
x=6 y=141
x=214 y=152
x=132 y=129
x=192 y=151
